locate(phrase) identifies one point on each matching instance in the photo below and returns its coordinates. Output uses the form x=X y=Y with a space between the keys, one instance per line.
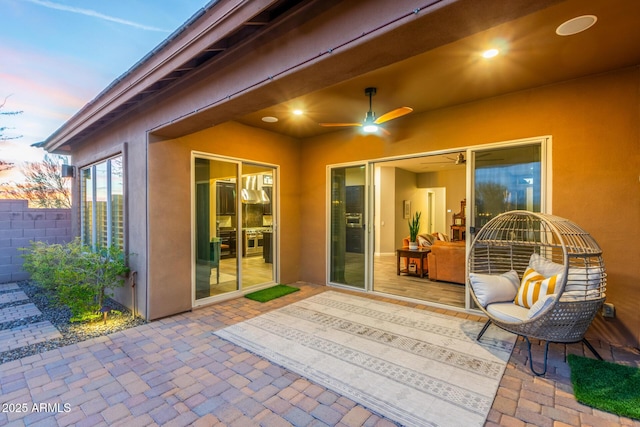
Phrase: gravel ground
x=59 y=317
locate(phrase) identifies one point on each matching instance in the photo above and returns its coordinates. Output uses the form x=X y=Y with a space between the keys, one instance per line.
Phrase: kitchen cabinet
x=228 y=243
x=355 y=240
x=225 y=198
x=267 y=207
x=267 y=252
x=355 y=199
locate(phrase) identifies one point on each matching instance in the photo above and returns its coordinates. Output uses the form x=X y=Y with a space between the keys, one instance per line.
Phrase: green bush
x=42 y=261
x=80 y=278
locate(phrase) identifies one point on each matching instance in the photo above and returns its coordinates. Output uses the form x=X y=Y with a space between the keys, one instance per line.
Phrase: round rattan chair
x=514 y=241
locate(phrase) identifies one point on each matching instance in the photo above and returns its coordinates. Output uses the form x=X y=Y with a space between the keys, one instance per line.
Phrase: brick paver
x=9 y=287
x=24 y=335
x=176 y=372
x=17 y=312
x=9 y=297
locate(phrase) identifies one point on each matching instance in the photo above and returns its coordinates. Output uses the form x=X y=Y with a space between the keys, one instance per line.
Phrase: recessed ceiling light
x=576 y=25
x=269 y=119
x=298 y=112
x=490 y=53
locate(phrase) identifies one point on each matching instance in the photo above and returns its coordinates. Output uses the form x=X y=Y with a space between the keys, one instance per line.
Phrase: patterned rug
x=415 y=367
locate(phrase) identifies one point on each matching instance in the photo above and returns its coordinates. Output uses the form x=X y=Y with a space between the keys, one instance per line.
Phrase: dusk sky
x=55 y=56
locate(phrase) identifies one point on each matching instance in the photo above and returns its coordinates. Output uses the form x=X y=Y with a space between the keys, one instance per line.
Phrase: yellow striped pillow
x=534 y=286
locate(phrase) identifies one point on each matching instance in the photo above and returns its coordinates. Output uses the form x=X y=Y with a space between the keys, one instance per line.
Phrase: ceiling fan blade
x=329 y=125
x=393 y=114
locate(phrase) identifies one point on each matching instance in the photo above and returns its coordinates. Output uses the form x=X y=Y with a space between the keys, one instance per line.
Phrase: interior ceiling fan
x=459 y=159
x=370 y=123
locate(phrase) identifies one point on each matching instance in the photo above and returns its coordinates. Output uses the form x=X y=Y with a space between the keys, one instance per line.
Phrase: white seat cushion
x=508 y=311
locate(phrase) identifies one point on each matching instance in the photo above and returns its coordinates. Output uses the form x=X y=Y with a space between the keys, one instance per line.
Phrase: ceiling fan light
x=490 y=53
x=370 y=128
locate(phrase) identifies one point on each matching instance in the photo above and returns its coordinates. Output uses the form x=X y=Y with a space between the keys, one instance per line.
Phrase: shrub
x=42 y=261
x=80 y=278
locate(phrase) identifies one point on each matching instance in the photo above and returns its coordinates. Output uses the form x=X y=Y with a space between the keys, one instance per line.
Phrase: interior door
x=348 y=225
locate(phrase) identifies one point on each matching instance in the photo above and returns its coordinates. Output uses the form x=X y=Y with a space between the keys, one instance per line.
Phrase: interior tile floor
x=386 y=280
x=175 y=372
x=209 y=282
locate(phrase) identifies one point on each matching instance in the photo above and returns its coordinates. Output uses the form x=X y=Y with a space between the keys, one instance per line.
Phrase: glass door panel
x=257 y=196
x=506 y=179
x=216 y=246
x=348 y=226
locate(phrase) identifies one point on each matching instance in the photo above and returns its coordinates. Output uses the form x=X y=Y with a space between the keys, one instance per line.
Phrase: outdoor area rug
x=415 y=367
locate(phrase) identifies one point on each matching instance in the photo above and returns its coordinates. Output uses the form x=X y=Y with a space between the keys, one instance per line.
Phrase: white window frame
x=109 y=206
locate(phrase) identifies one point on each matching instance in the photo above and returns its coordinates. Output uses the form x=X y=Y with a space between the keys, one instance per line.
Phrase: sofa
x=446 y=261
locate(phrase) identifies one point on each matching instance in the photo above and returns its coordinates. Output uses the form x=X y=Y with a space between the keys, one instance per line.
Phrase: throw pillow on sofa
x=425 y=240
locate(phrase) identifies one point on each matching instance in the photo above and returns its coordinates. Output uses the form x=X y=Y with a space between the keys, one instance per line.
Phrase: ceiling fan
x=370 y=123
x=459 y=159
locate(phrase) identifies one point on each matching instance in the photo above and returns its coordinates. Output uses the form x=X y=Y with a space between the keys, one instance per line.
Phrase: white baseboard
x=383 y=253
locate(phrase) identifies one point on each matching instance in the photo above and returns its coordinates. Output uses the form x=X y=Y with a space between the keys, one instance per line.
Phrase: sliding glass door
x=505 y=179
x=348 y=220
x=234 y=210
x=216 y=233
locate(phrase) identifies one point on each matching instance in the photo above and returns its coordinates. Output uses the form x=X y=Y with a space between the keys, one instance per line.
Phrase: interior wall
x=385 y=210
x=595 y=127
x=170 y=206
x=406 y=189
x=454 y=180
x=439 y=209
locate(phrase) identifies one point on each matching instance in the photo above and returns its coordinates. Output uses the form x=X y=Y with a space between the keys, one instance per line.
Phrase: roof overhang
x=417 y=56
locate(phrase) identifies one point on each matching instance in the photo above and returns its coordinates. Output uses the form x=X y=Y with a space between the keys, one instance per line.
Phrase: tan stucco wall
x=170 y=206
x=594 y=123
x=595 y=127
x=129 y=140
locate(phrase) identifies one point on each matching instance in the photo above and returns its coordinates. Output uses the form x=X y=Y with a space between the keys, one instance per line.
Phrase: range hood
x=250 y=194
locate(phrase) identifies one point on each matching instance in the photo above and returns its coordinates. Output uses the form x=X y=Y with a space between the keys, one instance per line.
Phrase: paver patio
x=176 y=372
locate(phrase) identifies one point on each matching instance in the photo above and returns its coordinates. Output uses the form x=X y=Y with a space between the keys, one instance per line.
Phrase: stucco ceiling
x=532 y=55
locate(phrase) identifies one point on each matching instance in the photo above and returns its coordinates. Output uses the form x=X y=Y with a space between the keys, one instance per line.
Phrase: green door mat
x=606 y=386
x=271 y=293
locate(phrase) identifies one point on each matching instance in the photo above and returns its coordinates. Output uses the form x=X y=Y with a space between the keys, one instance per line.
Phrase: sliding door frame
x=545 y=143
x=367 y=218
x=238 y=224
x=546 y=196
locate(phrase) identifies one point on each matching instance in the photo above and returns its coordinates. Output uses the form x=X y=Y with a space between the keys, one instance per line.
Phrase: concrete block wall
x=19 y=225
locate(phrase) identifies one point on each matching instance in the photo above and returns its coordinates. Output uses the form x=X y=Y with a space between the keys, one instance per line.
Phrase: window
x=102 y=204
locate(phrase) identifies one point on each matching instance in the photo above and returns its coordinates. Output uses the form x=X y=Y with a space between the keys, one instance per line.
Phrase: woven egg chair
x=555 y=252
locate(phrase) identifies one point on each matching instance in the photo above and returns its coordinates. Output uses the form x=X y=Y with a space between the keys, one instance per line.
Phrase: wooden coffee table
x=420 y=253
